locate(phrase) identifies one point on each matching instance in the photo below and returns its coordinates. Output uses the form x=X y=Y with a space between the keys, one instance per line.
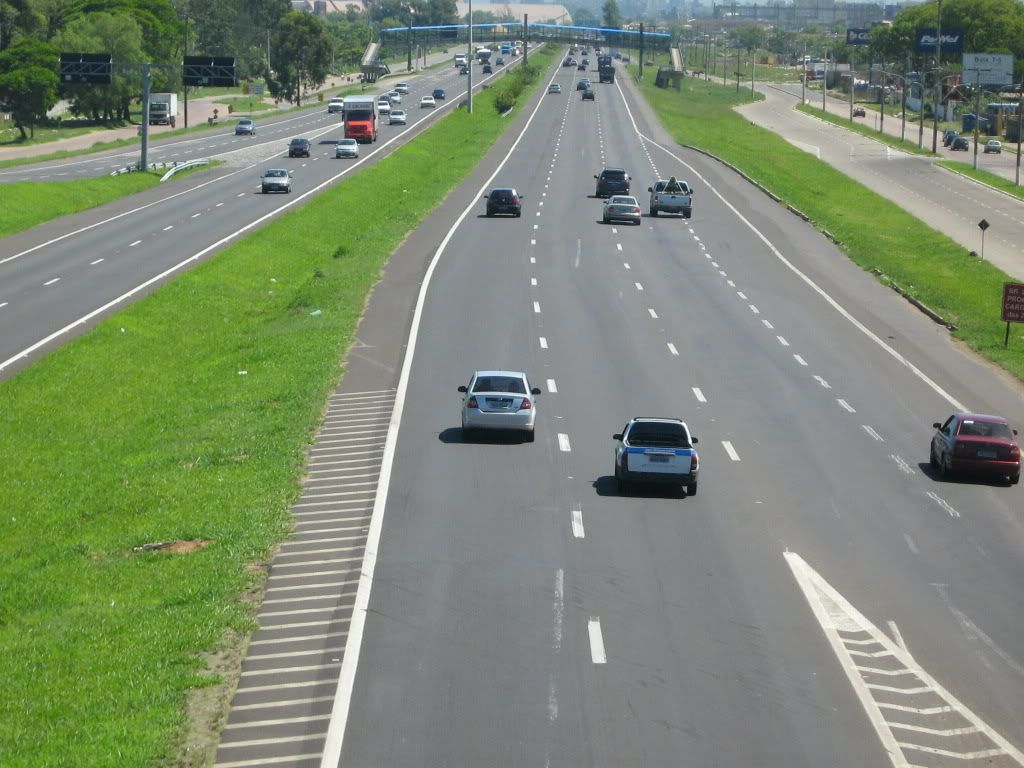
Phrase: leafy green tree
x=611 y=15
x=28 y=82
x=302 y=56
x=119 y=35
x=750 y=37
x=585 y=17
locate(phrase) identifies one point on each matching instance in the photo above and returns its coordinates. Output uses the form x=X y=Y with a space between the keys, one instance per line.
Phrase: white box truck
x=163 y=108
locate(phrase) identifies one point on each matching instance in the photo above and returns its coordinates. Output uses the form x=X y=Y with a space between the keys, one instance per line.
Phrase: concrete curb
x=930 y=313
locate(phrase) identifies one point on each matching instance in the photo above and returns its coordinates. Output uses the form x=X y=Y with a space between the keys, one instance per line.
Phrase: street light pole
x=938 y=74
x=1020 y=131
x=469 y=62
x=183 y=86
x=824 y=82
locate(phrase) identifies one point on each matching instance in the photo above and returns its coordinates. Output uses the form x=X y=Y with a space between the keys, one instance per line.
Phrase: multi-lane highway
x=59 y=278
x=949 y=203
x=824 y=601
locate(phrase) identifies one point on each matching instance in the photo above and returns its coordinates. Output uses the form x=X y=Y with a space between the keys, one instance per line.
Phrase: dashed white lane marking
x=840 y=620
x=699 y=395
x=652 y=313
x=533 y=259
x=741 y=295
x=713 y=263
x=597 y=653
x=845 y=405
x=543 y=343
x=536 y=307
x=871 y=431
x=563 y=442
x=767 y=325
x=730 y=450
x=902 y=464
x=552 y=387
x=672 y=349
x=533 y=281
x=195 y=215
x=799 y=359
x=168 y=227
x=577 y=524
x=132 y=245
x=730 y=283
x=533 y=241
x=94 y=263
x=639 y=286
x=537 y=213
x=240 y=194
x=3 y=304
x=618 y=246
x=823 y=383
x=615 y=230
x=218 y=205
x=723 y=273
x=536 y=226
x=626 y=265
x=782 y=341
x=911 y=546
x=51 y=282
x=943 y=503
x=754 y=309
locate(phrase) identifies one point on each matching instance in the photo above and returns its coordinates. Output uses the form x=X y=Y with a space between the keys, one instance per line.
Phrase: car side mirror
x=535 y=391
x=1015 y=431
x=521 y=197
x=649 y=189
x=617 y=436
x=693 y=440
x=937 y=425
x=595 y=175
x=462 y=389
x=485 y=197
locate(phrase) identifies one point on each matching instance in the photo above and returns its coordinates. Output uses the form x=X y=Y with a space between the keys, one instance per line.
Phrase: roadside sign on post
x=988 y=68
x=1013 y=307
x=257 y=90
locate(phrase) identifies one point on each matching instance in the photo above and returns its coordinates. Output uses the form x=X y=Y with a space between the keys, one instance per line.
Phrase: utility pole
x=977 y=117
x=144 y=158
x=641 y=50
x=184 y=87
x=803 y=77
x=1020 y=131
x=852 y=83
x=526 y=40
x=408 y=42
x=938 y=76
x=824 y=82
x=469 y=63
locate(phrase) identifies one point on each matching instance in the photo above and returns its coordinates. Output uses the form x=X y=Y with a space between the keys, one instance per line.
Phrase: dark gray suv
x=612 y=181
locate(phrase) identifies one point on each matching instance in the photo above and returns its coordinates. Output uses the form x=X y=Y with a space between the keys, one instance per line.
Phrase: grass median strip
x=875 y=233
x=183 y=418
x=25 y=204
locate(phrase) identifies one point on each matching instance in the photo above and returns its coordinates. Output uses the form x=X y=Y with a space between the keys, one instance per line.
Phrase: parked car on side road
x=993 y=146
x=960 y=143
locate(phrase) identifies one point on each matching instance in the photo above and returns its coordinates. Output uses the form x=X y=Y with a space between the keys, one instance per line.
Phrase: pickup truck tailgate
x=666 y=461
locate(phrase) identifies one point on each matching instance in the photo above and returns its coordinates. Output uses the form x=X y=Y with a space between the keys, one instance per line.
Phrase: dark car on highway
x=588 y=95
x=977 y=445
x=948 y=136
x=504 y=200
x=298 y=148
x=438 y=93
x=960 y=143
x=488 y=69
x=612 y=181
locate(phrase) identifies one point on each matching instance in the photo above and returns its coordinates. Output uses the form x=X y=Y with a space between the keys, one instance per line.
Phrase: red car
x=976 y=444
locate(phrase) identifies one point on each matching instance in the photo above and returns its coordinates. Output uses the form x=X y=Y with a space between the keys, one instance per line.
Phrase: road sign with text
x=1013 y=303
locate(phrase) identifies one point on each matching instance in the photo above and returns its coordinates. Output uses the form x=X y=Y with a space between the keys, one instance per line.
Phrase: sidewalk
x=199 y=111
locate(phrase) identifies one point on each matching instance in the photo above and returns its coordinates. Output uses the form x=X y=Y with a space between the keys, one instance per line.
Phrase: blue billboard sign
x=952 y=40
x=858 y=37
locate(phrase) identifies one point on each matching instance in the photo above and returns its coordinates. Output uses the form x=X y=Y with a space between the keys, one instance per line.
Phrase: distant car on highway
x=504 y=200
x=588 y=95
x=402 y=88
x=859 y=112
x=428 y=101
x=383 y=106
x=960 y=143
x=976 y=444
x=554 y=88
x=439 y=94
x=499 y=400
x=394 y=97
x=298 y=148
x=656 y=451
x=347 y=148
x=612 y=181
x=276 y=180
x=621 y=208
x=488 y=69
x=500 y=62
x=992 y=146
x=581 y=67
x=245 y=127
x=948 y=136
x=463 y=70
x=397 y=117
x=583 y=84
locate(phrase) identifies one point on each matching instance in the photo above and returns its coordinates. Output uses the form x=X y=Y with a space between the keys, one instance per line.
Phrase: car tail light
x=693 y=462
x=636 y=210
x=1014 y=453
x=472 y=403
x=515 y=200
x=525 y=405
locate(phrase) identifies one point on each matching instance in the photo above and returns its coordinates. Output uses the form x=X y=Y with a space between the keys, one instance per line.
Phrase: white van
x=460 y=59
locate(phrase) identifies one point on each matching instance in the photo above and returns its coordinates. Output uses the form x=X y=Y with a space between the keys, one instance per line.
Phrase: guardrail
x=173 y=168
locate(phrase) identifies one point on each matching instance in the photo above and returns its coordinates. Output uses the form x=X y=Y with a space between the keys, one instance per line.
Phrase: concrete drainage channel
x=282 y=706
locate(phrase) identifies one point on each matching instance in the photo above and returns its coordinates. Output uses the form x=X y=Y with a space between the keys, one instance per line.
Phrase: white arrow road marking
x=842 y=623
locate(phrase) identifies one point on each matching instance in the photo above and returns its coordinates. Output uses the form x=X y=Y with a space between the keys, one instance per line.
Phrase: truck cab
x=361 y=118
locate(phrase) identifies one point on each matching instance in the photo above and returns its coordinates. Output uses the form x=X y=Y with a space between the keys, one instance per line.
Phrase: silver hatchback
x=499 y=400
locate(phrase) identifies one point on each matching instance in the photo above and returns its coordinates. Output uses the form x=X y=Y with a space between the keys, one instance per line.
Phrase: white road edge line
x=335 y=738
x=796 y=271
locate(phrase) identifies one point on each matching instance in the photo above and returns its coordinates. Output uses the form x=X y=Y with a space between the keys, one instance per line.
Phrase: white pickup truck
x=656 y=451
x=671 y=196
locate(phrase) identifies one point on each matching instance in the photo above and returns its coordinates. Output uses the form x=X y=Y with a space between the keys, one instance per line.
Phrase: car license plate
x=656 y=459
x=983 y=454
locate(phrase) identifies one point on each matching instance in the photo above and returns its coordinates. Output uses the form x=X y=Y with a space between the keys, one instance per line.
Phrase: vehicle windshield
x=985 y=429
x=276 y=174
x=501 y=195
x=245 y=122
x=347 y=142
x=508 y=384
x=614 y=175
x=299 y=142
x=357 y=114
x=659 y=434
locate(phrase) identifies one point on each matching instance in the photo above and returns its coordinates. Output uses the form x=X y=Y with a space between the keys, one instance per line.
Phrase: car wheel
x=530 y=436
x=691 y=489
x=946 y=467
x=931 y=458
x=604 y=219
x=653 y=212
x=1015 y=479
x=467 y=434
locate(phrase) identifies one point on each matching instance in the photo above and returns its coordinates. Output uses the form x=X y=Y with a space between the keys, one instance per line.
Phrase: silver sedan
x=621 y=208
x=499 y=400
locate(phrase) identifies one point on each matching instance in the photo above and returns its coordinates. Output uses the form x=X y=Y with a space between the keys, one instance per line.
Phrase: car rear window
x=501 y=196
x=500 y=384
x=615 y=175
x=659 y=434
x=985 y=429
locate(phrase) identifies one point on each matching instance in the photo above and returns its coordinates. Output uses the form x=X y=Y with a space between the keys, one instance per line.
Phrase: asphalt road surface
x=947 y=202
x=59 y=278
x=823 y=601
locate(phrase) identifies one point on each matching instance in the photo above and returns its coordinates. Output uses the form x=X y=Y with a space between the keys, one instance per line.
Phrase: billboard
x=952 y=40
x=988 y=68
x=858 y=37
